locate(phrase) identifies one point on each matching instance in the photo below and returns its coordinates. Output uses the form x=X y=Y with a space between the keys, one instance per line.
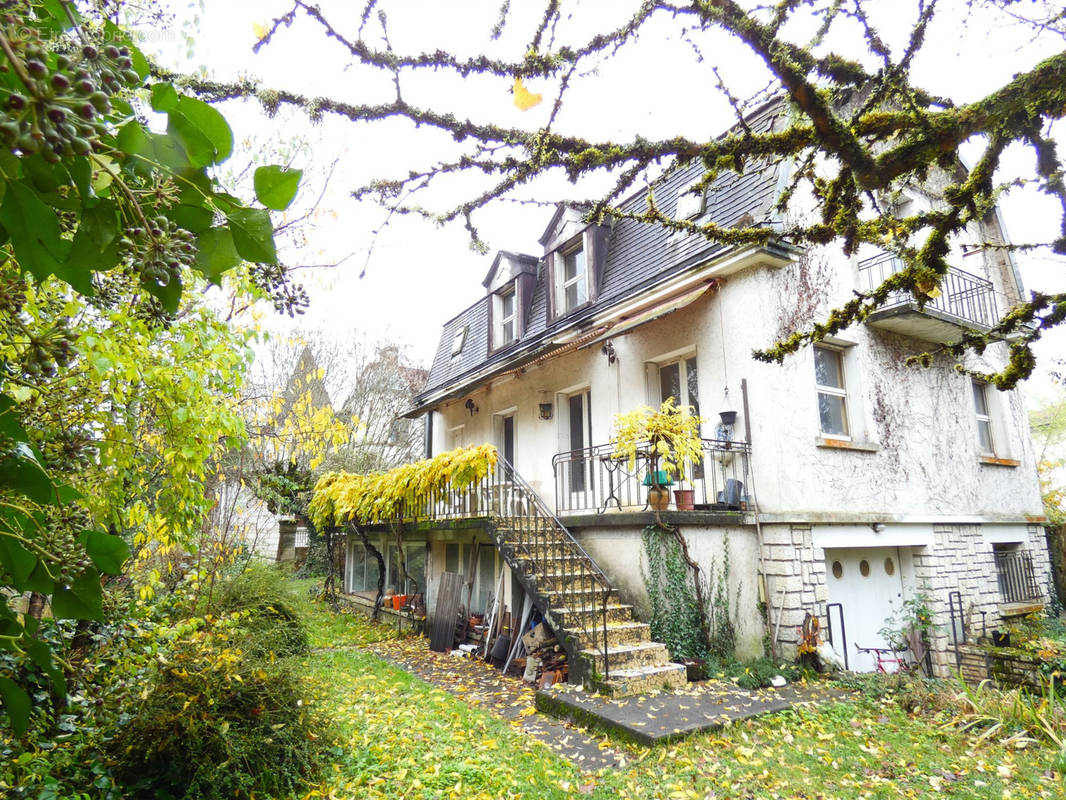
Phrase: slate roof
x=639 y=256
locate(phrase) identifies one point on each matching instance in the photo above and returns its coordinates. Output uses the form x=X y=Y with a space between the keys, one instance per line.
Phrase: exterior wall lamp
x=878 y=527
x=473 y=409
x=608 y=350
x=545 y=410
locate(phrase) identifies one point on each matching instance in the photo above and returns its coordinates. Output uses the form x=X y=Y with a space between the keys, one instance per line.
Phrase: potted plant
x=667 y=438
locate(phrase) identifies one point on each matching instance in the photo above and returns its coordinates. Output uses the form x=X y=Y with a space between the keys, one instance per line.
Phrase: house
x=844 y=484
x=288 y=430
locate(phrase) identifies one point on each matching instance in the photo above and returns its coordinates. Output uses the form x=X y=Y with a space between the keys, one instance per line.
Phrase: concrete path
x=644 y=720
x=657 y=718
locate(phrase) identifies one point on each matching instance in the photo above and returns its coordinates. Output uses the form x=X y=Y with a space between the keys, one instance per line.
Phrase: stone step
x=630 y=656
x=618 y=633
x=642 y=680
x=571 y=619
x=582 y=595
x=555 y=581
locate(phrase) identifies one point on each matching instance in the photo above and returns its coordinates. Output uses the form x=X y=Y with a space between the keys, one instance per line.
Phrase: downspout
x=758 y=525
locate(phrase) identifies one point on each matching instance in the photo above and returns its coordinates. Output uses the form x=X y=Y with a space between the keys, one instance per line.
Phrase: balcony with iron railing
x=965 y=302
x=595 y=479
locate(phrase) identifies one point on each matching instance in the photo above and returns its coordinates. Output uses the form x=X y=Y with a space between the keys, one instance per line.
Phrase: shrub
x=216 y=721
x=267 y=603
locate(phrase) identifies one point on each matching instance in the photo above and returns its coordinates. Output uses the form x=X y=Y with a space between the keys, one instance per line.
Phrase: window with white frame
x=458 y=341
x=571 y=280
x=985 y=443
x=690 y=200
x=506 y=316
x=832 y=393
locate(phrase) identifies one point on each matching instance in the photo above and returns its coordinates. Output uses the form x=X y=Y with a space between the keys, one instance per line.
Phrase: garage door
x=868 y=585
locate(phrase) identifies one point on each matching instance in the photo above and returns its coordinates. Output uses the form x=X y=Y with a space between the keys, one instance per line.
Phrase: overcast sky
x=420 y=275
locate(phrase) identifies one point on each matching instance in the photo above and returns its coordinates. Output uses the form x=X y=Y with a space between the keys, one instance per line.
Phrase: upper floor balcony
x=595 y=479
x=965 y=302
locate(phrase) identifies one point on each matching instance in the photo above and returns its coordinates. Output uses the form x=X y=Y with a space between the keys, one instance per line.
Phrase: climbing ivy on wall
x=676 y=618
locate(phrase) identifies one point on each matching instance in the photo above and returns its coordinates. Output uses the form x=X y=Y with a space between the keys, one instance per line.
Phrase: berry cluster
x=59 y=537
x=62 y=110
x=160 y=251
x=47 y=352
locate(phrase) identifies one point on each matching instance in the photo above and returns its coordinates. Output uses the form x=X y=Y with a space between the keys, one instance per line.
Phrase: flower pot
x=685 y=499
x=659 y=477
x=658 y=498
x=1001 y=638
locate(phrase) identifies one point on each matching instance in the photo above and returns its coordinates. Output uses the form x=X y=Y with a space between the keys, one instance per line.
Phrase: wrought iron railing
x=564 y=581
x=554 y=568
x=595 y=479
x=962 y=294
x=1017 y=579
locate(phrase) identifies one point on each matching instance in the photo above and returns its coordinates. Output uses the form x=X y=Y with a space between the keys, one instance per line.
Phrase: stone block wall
x=963 y=560
x=795 y=581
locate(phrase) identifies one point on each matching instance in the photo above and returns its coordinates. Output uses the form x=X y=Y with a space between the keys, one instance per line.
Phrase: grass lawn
x=403 y=738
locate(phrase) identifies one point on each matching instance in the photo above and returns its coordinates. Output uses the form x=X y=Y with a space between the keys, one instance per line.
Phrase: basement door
x=868 y=584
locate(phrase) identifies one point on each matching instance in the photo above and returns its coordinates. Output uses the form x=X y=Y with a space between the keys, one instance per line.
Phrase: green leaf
x=40 y=580
x=191 y=217
x=16 y=704
x=81 y=600
x=253 y=235
x=9 y=420
x=108 y=552
x=34 y=231
x=202 y=130
x=169 y=295
x=216 y=253
x=17 y=561
x=21 y=471
x=41 y=655
x=276 y=186
x=95 y=247
x=164 y=97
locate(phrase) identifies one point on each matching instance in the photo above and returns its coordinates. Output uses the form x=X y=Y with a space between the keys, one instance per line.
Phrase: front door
x=868 y=585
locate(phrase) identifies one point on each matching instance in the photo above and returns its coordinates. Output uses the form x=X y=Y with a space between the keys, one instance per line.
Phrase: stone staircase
x=608 y=649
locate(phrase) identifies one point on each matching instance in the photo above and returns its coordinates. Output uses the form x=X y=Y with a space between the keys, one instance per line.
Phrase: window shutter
x=651 y=384
x=596 y=258
x=550 y=285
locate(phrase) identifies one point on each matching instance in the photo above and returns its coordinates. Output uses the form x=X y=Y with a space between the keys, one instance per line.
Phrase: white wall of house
x=913 y=453
x=240 y=516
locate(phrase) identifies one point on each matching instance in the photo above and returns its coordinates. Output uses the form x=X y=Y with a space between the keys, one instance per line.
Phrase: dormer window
x=572 y=281
x=690 y=200
x=458 y=341
x=505 y=312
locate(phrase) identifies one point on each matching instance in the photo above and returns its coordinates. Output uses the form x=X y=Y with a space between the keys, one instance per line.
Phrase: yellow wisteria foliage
x=343 y=497
x=669 y=436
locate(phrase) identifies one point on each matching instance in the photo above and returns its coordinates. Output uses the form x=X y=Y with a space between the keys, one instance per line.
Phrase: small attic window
x=459 y=341
x=690 y=201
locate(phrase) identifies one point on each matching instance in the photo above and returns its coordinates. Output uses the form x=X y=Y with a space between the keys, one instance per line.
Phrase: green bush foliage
x=215 y=720
x=267 y=602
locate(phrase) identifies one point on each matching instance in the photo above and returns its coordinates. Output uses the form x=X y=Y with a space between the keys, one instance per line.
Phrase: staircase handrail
x=590 y=569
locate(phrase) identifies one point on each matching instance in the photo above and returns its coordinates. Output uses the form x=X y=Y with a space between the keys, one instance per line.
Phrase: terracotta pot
x=659 y=498
x=685 y=499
